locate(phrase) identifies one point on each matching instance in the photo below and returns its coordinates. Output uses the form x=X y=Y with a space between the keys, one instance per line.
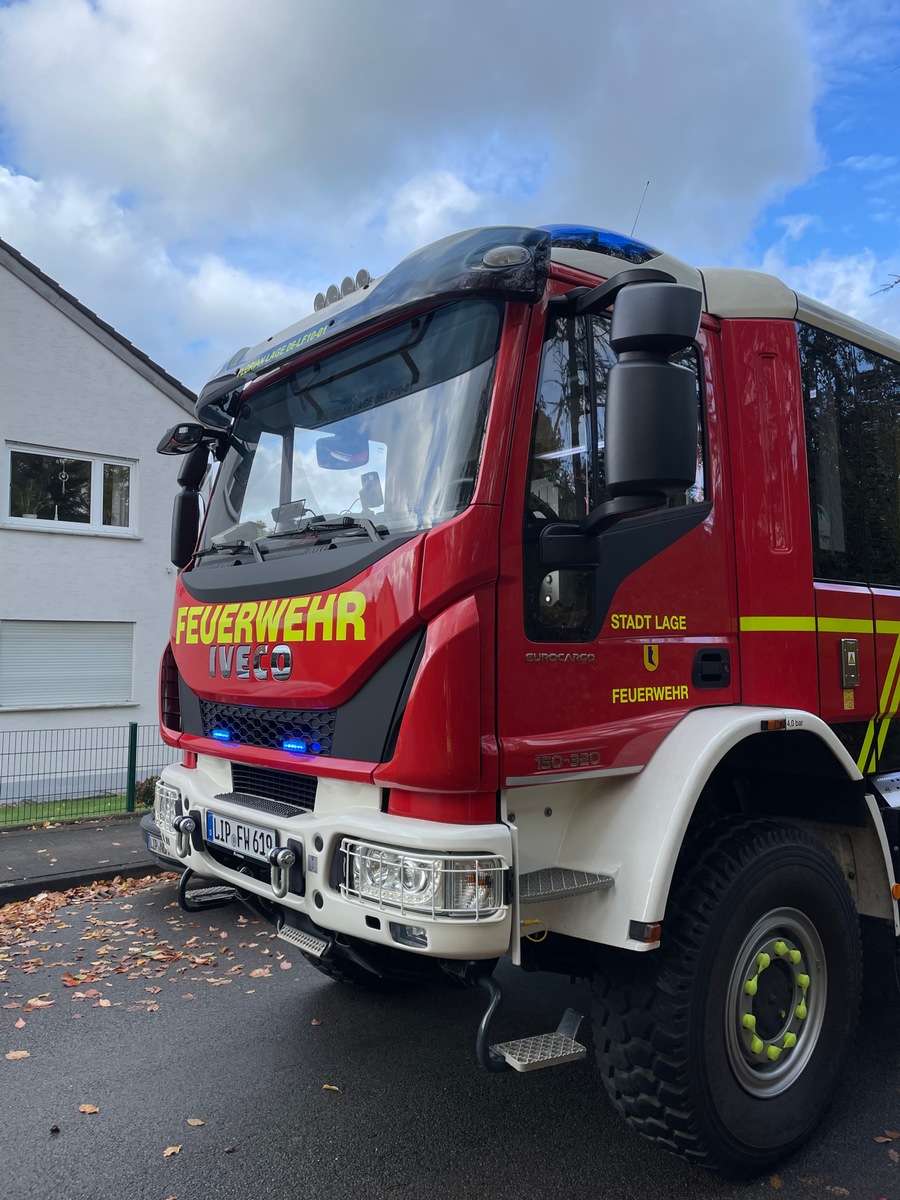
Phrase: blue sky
x=196 y=172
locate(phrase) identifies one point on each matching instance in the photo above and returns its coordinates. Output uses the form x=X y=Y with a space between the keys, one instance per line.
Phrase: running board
x=204 y=895
x=556 y=883
x=545 y=1049
x=313 y=946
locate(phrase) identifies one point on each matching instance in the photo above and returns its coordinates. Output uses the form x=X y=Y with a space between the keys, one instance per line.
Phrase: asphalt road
x=156 y=1038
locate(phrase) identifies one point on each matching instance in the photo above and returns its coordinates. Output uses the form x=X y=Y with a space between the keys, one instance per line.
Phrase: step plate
x=544 y=1050
x=303 y=941
x=555 y=883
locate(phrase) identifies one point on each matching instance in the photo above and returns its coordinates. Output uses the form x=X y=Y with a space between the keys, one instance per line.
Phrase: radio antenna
x=640 y=206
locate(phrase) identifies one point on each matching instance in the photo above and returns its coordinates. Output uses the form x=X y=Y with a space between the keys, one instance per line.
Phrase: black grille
x=275 y=808
x=299 y=791
x=269 y=727
x=169 y=701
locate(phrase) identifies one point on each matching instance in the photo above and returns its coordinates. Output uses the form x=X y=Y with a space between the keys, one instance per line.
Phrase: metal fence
x=62 y=774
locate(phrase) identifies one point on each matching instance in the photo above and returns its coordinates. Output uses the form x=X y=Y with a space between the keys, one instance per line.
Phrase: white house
x=85 y=507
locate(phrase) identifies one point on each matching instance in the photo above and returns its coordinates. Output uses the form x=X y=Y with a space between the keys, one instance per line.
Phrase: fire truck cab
x=546 y=605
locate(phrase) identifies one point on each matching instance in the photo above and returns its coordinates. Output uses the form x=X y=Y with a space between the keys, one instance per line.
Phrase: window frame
x=95 y=526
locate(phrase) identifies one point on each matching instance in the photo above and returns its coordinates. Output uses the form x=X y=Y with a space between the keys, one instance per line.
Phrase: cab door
x=597 y=664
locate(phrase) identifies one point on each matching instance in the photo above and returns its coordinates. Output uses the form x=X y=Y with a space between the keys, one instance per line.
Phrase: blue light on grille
x=316 y=747
x=222 y=735
x=297 y=747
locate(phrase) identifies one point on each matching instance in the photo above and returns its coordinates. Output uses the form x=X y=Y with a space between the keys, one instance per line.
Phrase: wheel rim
x=776 y=1002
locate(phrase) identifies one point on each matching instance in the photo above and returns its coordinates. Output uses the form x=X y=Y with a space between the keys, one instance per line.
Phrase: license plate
x=155 y=844
x=240 y=837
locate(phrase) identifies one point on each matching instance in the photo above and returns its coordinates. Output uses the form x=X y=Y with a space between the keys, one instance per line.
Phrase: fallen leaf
x=892 y=1134
x=882 y=1139
x=329 y=1087
x=893 y=1156
x=837 y=1191
x=154 y=990
x=170 y=1150
x=776 y=1182
x=54 y=1129
x=20 y=1024
x=13 y=1055
x=195 y=1121
x=285 y=966
x=315 y=1021
x=103 y=1004
x=259 y=972
x=88 y=1108
x=228 y=1150
x=223 y=935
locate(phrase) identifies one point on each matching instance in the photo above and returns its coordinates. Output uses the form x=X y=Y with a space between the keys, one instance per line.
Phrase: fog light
x=409 y=935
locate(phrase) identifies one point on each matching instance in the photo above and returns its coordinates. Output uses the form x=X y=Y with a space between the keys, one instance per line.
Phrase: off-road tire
x=668 y=1028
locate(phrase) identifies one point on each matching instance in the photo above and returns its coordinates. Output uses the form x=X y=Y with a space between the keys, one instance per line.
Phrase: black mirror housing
x=181 y=439
x=185 y=527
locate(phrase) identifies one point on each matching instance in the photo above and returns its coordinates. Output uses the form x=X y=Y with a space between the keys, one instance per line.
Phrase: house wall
x=63 y=389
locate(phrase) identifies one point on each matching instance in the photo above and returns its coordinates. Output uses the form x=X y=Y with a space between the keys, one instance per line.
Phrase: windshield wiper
x=234 y=548
x=317 y=525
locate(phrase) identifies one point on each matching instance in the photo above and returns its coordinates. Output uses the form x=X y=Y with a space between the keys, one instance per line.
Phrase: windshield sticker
x=329 y=617
x=296 y=343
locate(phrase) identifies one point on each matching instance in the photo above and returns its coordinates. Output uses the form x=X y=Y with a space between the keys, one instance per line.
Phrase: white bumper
x=350 y=812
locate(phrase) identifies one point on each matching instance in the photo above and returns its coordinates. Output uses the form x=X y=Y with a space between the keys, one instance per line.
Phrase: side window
x=566 y=473
x=559 y=605
x=833 y=455
x=878 y=402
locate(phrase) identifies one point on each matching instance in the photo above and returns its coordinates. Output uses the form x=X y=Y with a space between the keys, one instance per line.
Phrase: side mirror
x=186 y=509
x=181 y=439
x=651 y=404
x=185 y=527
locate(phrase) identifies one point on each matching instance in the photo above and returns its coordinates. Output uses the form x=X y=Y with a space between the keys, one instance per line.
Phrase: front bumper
x=316 y=883
x=159 y=846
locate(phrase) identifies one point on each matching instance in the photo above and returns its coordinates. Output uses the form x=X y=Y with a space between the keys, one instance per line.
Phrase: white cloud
x=156 y=142
x=796 y=224
x=869 y=162
x=199 y=310
x=429 y=207
x=852 y=283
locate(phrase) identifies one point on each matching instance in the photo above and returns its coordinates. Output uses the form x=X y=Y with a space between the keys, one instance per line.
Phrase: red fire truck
x=546 y=605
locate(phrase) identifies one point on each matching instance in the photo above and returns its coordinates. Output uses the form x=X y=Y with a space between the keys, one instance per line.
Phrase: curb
x=26 y=888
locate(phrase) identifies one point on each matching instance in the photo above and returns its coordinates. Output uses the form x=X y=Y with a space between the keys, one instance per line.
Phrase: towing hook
x=184 y=827
x=280 y=862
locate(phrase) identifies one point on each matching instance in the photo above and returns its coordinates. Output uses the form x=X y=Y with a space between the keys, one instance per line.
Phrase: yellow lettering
x=321 y=616
x=350 y=609
x=179 y=624
x=268 y=616
x=293 y=619
x=243 y=622
x=193 y=622
x=667 y=694
x=208 y=617
x=224 y=632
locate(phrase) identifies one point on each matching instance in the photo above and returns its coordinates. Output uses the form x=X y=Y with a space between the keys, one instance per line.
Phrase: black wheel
x=726 y=1045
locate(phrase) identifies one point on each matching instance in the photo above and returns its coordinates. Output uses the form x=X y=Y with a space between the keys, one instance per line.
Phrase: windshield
x=382 y=437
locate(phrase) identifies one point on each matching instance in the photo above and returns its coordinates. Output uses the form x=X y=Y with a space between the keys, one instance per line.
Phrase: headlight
x=441 y=885
x=164 y=806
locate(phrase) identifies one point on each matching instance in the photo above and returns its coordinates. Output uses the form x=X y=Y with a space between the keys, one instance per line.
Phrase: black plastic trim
x=367 y=725
x=227 y=578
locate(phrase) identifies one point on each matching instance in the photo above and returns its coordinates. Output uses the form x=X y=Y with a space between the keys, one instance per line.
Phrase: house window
x=57 y=664
x=69 y=491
